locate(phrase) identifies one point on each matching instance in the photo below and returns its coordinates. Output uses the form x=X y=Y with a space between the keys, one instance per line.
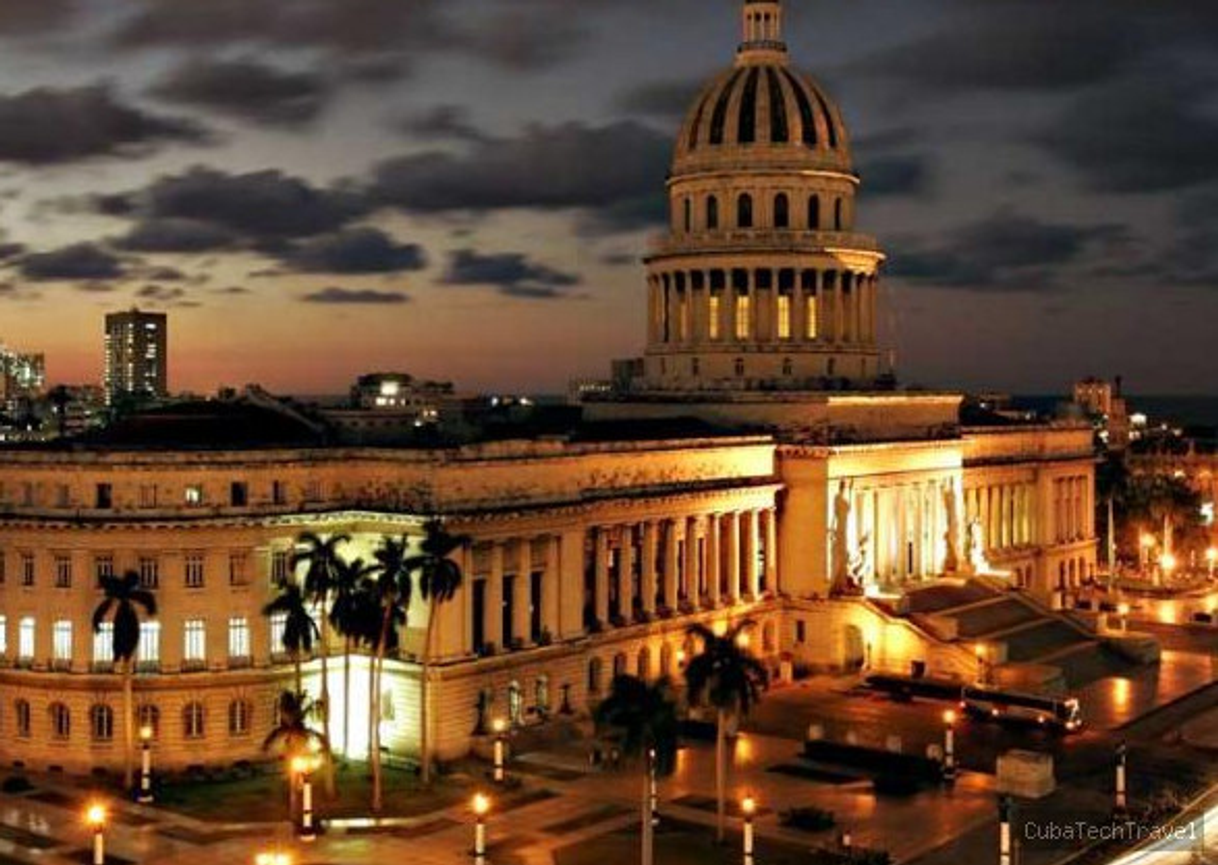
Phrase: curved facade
x=762 y=282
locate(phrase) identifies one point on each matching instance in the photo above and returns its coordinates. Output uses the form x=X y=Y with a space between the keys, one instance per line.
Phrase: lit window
x=103 y=644
x=713 y=313
x=62 y=640
x=194 y=495
x=278 y=623
x=3 y=635
x=150 y=572
x=784 y=316
x=811 y=325
x=743 y=319
x=25 y=638
x=238 y=638
x=194 y=644
x=150 y=643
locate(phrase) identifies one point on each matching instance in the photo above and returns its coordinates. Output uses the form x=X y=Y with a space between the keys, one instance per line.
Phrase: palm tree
x=645 y=720
x=439 y=579
x=293 y=735
x=299 y=629
x=123 y=600
x=344 y=617
x=321 y=560
x=391 y=590
x=729 y=678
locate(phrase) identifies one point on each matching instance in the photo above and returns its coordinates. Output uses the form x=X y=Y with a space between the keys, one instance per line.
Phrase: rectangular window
x=23 y=719
x=535 y=584
x=238 y=569
x=194 y=644
x=150 y=572
x=61 y=642
x=279 y=493
x=194 y=495
x=150 y=644
x=279 y=623
x=281 y=567
x=801 y=631
x=3 y=636
x=25 y=639
x=478 y=632
x=682 y=316
x=103 y=567
x=194 y=570
x=27 y=569
x=105 y=497
x=148 y=495
x=239 y=494
x=103 y=644
x=744 y=323
x=784 y=316
x=238 y=638
x=63 y=572
x=811 y=324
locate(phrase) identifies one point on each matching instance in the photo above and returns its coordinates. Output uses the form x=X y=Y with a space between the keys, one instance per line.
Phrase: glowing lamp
x=1168 y=562
x=95 y=815
x=1211 y=555
x=273 y=859
x=145 y=733
x=481 y=804
x=1123 y=609
x=748 y=806
x=499 y=725
x=949 y=717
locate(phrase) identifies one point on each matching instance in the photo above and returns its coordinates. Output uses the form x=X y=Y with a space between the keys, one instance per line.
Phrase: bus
x=1061 y=713
x=906 y=688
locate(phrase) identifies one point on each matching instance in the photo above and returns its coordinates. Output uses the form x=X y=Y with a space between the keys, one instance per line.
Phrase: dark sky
x=462 y=188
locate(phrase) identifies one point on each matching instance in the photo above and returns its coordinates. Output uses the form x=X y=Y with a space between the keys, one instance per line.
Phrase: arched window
x=61 y=721
x=515 y=705
x=239 y=714
x=837 y=214
x=22 y=710
x=643 y=668
x=712 y=212
x=689 y=215
x=814 y=213
x=192 y=721
x=101 y=722
x=782 y=211
x=541 y=693
x=666 y=660
x=594 y=676
x=619 y=664
x=739 y=366
x=150 y=716
x=744 y=211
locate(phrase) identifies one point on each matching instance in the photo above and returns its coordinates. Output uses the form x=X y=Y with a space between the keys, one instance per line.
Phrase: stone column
x=493 y=629
x=648 y=581
x=713 y=557
x=550 y=583
x=823 y=326
x=752 y=535
x=626 y=577
x=771 y=550
x=799 y=309
x=602 y=575
x=670 y=565
x=523 y=590
x=733 y=557
x=839 y=331
x=692 y=577
x=775 y=293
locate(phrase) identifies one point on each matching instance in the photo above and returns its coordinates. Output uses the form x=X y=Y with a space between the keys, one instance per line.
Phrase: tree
x=439 y=579
x=344 y=616
x=390 y=589
x=728 y=677
x=123 y=601
x=299 y=629
x=322 y=562
x=60 y=398
x=644 y=718
x=293 y=736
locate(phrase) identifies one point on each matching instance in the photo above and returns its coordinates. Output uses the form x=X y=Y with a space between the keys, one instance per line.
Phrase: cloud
x=1145 y=133
x=11 y=250
x=666 y=100
x=443 y=121
x=354 y=250
x=247 y=89
x=160 y=293
x=46 y=126
x=80 y=261
x=511 y=273
x=893 y=176
x=35 y=17
x=1004 y=252
x=356 y=296
x=198 y=207
x=545 y=168
x=173 y=234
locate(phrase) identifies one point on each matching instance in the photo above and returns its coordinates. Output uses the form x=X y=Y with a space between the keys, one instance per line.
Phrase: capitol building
x=760 y=462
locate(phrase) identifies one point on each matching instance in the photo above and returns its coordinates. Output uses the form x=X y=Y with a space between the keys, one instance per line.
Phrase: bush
x=16 y=784
x=809 y=819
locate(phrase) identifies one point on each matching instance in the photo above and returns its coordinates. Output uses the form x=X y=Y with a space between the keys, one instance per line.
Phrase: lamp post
x=949 y=747
x=1004 y=831
x=1123 y=612
x=500 y=727
x=653 y=790
x=1121 y=804
x=95 y=816
x=748 y=806
x=144 y=795
x=481 y=805
x=1211 y=559
x=302 y=767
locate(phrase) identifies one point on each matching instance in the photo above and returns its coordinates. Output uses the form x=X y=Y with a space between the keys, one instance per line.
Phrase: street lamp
x=949 y=746
x=1146 y=542
x=653 y=791
x=481 y=805
x=1211 y=559
x=1004 y=831
x=1121 y=805
x=499 y=726
x=1168 y=563
x=274 y=858
x=144 y=796
x=1123 y=612
x=303 y=766
x=95 y=816
x=748 y=806
x=981 y=669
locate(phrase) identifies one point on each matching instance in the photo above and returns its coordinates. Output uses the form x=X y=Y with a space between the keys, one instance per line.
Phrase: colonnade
x=751 y=305
x=1072 y=509
x=1004 y=512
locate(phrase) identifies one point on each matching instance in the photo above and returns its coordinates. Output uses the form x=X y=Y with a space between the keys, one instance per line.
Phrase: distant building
x=22 y=380
x=1103 y=402
x=395 y=391
x=137 y=355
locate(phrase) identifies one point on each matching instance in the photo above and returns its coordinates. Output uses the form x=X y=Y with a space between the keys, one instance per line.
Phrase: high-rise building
x=136 y=355
x=22 y=378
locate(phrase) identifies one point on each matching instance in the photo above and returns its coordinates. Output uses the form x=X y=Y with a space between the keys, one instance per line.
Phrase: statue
x=857 y=569
x=951 y=561
x=975 y=550
x=841 y=545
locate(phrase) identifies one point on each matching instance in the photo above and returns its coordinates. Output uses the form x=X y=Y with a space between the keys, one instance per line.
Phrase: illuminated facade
x=22 y=379
x=137 y=355
x=791 y=497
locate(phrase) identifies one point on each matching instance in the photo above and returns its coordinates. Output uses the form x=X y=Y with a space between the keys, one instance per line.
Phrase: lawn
x=264 y=798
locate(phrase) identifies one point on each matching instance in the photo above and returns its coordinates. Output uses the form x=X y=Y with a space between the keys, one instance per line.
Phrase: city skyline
x=411 y=190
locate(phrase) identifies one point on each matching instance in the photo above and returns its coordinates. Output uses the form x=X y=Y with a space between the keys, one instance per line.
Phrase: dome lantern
x=762 y=31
